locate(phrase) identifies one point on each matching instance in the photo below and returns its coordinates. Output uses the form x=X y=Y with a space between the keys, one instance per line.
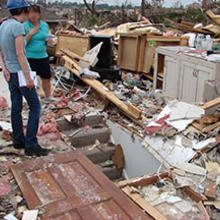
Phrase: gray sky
x=137 y=2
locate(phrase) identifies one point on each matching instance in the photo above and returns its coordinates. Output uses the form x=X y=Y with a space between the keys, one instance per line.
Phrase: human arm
x=31 y=32
x=19 y=46
x=4 y=69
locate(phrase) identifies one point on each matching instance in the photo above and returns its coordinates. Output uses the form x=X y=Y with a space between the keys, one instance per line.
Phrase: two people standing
x=13 y=59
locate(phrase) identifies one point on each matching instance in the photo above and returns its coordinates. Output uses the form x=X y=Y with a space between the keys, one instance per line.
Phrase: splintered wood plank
x=211 y=104
x=144 y=204
x=102 y=90
x=69 y=186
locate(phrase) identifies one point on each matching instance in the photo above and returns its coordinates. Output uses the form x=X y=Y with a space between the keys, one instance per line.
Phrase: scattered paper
x=22 y=79
x=10 y=217
x=30 y=215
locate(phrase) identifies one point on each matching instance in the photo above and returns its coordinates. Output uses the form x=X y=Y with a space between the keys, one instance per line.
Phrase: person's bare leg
x=46 y=85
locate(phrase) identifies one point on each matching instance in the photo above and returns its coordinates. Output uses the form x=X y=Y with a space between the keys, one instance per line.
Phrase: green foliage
x=65 y=15
x=93 y=20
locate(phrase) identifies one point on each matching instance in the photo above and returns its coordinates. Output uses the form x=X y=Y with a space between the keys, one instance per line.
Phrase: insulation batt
x=62 y=102
x=50 y=127
x=3 y=102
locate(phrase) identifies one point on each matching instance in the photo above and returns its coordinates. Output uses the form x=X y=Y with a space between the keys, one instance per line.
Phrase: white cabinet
x=188 y=82
x=171 y=65
x=194 y=73
x=188 y=78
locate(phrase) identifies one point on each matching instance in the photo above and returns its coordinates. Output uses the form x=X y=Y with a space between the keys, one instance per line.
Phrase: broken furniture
x=70 y=186
x=105 y=66
x=189 y=27
x=130 y=110
x=214 y=17
x=158 y=195
x=136 y=51
x=184 y=76
x=72 y=41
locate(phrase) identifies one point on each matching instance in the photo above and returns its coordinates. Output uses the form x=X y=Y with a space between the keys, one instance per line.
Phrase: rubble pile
x=183 y=136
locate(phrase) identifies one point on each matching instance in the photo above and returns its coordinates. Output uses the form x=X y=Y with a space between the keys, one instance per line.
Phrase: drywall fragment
x=181 y=114
x=192 y=168
x=168 y=150
x=179 y=172
x=186 y=142
x=30 y=215
x=181 y=181
x=182 y=110
x=174 y=199
x=184 y=206
x=203 y=144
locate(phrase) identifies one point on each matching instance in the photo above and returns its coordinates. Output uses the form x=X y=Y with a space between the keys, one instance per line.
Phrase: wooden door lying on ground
x=70 y=187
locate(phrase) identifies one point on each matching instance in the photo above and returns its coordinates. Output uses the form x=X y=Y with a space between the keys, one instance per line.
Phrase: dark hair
x=35 y=8
x=18 y=11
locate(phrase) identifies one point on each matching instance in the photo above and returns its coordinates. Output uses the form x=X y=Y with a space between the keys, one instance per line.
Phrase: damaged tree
x=208 y=4
x=91 y=8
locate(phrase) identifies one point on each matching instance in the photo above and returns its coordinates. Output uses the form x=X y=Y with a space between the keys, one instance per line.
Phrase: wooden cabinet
x=186 y=78
x=136 y=51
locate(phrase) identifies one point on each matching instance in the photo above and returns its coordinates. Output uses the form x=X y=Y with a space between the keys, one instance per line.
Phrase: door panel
x=171 y=82
x=69 y=186
x=205 y=74
x=189 y=82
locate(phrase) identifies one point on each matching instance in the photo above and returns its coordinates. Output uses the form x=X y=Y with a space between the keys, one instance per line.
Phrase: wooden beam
x=211 y=127
x=73 y=55
x=144 y=204
x=211 y=104
x=74 y=67
x=214 y=17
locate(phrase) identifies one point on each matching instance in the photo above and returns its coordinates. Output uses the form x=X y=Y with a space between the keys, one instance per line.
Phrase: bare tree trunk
x=91 y=9
x=142 y=7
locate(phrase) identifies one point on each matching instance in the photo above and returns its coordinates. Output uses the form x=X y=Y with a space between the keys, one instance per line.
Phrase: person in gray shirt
x=13 y=60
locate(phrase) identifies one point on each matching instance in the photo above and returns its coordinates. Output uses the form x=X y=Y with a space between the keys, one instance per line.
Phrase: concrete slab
x=85 y=138
x=90 y=120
